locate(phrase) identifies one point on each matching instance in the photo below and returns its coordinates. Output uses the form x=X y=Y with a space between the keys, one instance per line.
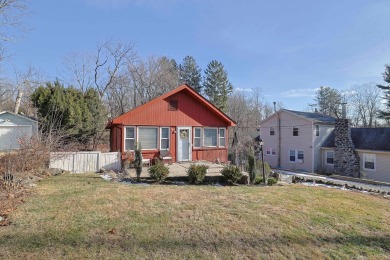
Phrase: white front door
x=184 y=146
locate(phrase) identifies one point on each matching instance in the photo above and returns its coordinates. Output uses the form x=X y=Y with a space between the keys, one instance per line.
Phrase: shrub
x=231 y=173
x=271 y=181
x=197 y=173
x=138 y=161
x=251 y=167
x=259 y=180
x=158 y=171
x=267 y=169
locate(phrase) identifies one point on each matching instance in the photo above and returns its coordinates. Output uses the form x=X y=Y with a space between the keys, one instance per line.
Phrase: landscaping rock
x=55 y=171
x=244 y=179
x=112 y=175
x=102 y=170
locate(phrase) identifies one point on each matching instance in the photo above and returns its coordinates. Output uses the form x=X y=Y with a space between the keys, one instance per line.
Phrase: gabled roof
x=376 y=139
x=313 y=117
x=19 y=115
x=188 y=89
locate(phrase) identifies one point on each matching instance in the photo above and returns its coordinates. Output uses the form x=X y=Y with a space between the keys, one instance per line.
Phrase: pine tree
x=328 y=101
x=190 y=73
x=216 y=85
x=386 y=89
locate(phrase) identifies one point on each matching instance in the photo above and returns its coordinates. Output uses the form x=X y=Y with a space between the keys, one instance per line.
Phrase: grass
x=83 y=216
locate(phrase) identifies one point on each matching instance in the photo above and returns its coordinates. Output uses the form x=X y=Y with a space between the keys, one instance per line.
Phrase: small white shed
x=13 y=127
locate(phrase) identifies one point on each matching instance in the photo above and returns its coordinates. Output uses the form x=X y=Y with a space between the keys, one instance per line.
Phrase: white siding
x=382 y=166
x=325 y=131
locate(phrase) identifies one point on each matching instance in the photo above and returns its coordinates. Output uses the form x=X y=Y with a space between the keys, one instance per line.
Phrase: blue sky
x=285 y=48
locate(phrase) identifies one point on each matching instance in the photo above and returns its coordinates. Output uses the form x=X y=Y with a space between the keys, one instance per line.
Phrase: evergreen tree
x=76 y=115
x=328 y=101
x=190 y=73
x=386 y=89
x=216 y=84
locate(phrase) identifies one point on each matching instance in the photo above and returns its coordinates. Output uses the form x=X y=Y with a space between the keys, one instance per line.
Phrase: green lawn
x=83 y=216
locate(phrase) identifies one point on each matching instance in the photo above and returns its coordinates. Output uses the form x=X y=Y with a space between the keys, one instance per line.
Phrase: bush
x=271 y=181
x=158 y=171
x=259 y=180
x=231 y=173
x=267 y=169
x=197 y=173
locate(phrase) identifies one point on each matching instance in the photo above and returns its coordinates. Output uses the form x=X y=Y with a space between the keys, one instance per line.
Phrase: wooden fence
x=80 y=162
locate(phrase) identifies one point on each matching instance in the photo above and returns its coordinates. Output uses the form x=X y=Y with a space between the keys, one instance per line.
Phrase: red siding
x=190 y=112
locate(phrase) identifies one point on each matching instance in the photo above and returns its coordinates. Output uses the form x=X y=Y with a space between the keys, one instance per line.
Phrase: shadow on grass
x=122 y=242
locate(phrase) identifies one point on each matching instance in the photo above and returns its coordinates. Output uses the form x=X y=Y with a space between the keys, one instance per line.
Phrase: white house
x=293 y=139
x=13 y=127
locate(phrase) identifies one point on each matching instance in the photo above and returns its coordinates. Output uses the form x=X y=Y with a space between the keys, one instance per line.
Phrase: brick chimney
x=346 y=159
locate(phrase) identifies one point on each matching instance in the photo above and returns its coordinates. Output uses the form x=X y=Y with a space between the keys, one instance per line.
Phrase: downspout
x=279 y=136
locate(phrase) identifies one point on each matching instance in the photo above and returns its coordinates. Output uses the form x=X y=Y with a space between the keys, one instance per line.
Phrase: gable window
x=147 y=136
x=197 y=137
x=295 y=130
x=369 y=161
x=292 y=156
x=271 y=130
x=129 y=138
x=164 y=138
x=210 y=137
x=329 y=157
x=173 y=105
x=222 y=138
x=317 y=130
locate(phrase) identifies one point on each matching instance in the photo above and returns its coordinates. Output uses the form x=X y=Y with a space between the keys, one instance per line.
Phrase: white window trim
x=364 y=161
x=219 y=137
x=204 y=128
x=140 y=127
x=270 y=130
x=295 y=154
x=295 y=126
x=200 y=137
x=326 y=157
x=135 y=137
x=169 y=137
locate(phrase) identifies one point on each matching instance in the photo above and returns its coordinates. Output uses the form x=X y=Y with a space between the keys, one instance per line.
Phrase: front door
x=184 y=147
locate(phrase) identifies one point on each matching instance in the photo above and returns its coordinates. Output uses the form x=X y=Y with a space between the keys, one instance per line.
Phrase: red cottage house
x=180 y=122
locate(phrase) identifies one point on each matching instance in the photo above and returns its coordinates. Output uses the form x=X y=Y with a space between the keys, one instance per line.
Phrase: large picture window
x=210 y=137
x=129 y=138
x=369 y=161
x=164 y=136
x=222 y=137
x=147 y=136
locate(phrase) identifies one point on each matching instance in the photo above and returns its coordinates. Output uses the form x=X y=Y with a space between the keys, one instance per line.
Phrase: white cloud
x=243 y=89
x=300 y=92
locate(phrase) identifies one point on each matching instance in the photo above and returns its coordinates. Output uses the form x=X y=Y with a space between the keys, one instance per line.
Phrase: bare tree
x=152 y=78
x=111 y=58
x=79 y=70
x=11 y=14
x=365 y=103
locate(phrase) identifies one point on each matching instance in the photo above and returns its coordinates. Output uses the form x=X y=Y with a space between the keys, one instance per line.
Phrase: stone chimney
x=346 y=159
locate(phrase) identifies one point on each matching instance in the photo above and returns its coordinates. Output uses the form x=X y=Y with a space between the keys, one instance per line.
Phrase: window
x=164 y=138
x=147 y=136
x=317 y=130
x=295 y=130
x=222 y=138
x=329 y=157
x=292 y=155
x=271 y=130
x=173 y=105
x=129 y=138
x=300 y=156
x=210 y=137
x=198 y=137
x=271 y=151
x=369 y=161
